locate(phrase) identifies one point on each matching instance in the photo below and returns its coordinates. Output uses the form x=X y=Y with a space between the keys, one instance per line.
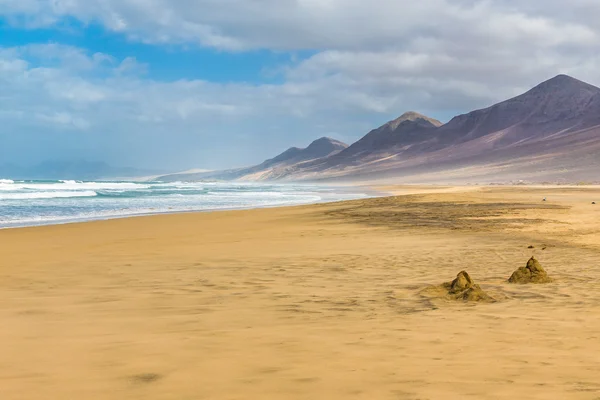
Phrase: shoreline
x=162 y=213
x=366 y=192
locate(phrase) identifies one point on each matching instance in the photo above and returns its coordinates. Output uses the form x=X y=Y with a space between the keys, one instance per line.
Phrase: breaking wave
x=46 y=195
x=31 y=202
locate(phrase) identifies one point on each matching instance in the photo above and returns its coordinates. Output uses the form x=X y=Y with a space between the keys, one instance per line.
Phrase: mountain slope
x=561 y=103
x=409 y=128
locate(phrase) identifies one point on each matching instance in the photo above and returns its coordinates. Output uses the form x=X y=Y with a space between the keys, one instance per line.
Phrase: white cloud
x=12 y=66
x=332 y=24
x=63 y=119
x=131 y=65
x=50 y=90
x=477 y=45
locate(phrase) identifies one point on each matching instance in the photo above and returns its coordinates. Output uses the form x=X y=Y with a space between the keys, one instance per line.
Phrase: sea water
x=28 y=203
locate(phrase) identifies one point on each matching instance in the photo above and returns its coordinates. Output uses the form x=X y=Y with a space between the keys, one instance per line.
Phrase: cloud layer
x=331 y=24
x=371 y=61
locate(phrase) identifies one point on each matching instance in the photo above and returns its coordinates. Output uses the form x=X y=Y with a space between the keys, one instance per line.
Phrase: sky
x=225 y=83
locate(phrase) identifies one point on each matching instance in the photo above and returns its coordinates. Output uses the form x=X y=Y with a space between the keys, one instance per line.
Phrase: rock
x=462 y=282
x=531 y=247
x=593 y=202
x=463 y=288
x=531 y=273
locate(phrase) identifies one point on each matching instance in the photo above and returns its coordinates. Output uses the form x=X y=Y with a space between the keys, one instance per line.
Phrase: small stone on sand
x=531 y=273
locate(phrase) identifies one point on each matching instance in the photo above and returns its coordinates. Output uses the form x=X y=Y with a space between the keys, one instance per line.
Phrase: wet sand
x=314 y=302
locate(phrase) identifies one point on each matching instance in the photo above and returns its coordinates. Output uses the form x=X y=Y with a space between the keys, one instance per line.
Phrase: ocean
x=30 y=203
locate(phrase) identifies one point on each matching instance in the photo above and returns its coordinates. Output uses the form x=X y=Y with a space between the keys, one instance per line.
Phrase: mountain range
x=550 y=133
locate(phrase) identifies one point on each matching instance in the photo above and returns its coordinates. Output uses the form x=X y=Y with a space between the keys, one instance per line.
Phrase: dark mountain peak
x=319 y=148
x=414 y=117
x=563 y=85
x=289 y=154
x=562 y=103
x=565 y=81
x=403 y=131
x=562 y=79
x=292 y=151
x=326 y=144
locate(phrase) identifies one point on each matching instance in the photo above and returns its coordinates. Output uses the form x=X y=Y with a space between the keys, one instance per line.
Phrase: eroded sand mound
x=463 y=288
x=531 y=273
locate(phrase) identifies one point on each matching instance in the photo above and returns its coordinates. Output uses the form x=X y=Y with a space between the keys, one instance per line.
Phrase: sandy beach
x=326 y=301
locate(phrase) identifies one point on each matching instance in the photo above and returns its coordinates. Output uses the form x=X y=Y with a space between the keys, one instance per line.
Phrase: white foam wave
x=247 y=194
x=180 y=185
x=47 y=195
x=74 y=185
x=6 y=181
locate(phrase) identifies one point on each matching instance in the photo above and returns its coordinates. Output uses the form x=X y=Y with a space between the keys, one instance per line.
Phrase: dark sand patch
x=146 y=378
x=415 y=211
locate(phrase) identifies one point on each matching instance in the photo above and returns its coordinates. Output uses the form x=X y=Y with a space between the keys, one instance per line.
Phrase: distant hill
x=549 y=133
x=322 y=147
x=78 y=169
x=279 y=166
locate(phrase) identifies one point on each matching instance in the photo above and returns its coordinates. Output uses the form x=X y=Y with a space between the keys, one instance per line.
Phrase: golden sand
x=312 y=302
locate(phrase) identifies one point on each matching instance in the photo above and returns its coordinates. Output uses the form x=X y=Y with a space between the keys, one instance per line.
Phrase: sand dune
x=312 y=302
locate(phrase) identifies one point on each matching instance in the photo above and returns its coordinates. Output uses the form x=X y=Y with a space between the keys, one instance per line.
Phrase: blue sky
x=164 y=63
x=217 y=84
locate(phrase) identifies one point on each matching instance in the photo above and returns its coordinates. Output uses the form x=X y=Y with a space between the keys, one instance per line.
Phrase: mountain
x=559 y=104
x=282 y=165
x=322 y=147
x=390 y=138
x=73 y=169
x=549 y=133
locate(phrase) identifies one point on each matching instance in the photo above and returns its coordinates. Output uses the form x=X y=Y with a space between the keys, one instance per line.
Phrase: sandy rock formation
x=463 y=288
x=531 y=273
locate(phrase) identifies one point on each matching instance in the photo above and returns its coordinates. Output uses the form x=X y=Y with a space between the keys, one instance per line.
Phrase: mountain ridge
x=535 y=134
